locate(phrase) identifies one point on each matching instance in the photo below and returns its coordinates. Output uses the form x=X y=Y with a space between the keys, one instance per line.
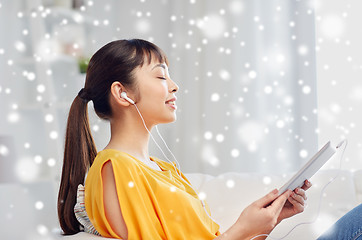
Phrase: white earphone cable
x=144 y=124
x=173 y=156
x=177 y=168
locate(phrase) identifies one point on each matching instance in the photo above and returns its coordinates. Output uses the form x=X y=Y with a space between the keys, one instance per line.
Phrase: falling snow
x=4 y=151
x=257 y=87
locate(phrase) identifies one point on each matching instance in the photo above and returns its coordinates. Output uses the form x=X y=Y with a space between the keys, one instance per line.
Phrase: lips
x=171 y=102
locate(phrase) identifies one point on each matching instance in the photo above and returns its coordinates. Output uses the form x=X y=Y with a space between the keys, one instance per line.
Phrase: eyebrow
x=162 y=65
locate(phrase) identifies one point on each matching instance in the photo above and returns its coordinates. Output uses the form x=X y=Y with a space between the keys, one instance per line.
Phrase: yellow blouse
x=155 y=204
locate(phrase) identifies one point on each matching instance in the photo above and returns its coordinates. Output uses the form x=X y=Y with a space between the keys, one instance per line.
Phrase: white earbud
x=124 y=96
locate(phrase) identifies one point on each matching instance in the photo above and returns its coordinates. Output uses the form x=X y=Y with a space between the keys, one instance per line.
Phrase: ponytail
x=79 y=154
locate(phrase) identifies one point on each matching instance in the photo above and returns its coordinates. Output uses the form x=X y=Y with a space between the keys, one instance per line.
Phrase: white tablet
x=310 y=168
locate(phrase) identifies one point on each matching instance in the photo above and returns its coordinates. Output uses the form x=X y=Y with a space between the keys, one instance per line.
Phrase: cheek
x=161 y=90
x=165 y=86
x=155 y=94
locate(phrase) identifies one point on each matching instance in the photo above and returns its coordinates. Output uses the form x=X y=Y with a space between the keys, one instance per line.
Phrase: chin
x=170 y=119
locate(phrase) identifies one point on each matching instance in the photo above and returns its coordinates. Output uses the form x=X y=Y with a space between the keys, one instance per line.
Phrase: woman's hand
x=260 y=217
x=296 y=202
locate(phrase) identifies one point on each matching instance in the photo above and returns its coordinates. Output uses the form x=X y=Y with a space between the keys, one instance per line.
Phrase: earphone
x=124 y=96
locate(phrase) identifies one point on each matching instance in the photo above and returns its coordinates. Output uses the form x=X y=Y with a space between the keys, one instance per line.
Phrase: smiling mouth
x=171 y=103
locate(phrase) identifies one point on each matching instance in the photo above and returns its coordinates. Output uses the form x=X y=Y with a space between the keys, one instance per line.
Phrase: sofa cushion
x=81 y=214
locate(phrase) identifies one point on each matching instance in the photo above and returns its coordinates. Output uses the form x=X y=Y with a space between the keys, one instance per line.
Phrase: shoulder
x=109 y=160
x=112 y=166
x=118 y=158
x=107 y=154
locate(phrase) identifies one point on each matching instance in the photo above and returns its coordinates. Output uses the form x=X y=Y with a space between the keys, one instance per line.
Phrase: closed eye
x=162 y=78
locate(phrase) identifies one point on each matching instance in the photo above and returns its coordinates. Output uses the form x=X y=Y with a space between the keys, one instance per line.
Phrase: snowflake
x=230 y=183
x=268 y=89
x=42 y=230
x=51 y=162
x=220 y=138
x=212 y=26
x=26 y=170
x=38 y=159
x=4 y=151
x=39 y=205
x=235 y=153
x=332 y=26
x=224 y=74
x=53 y=134
x=303 y=50
x=208 y=156
x=49 y=118
x=208 y=135
x=202 y=195
x=267 y=180
x=236 y=7
x=252 y=74
x=306 y=89
x=303 y=153
x=40 y=88
x=13 y=117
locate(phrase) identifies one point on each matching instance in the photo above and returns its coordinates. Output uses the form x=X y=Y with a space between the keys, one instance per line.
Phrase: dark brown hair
x=114 y=62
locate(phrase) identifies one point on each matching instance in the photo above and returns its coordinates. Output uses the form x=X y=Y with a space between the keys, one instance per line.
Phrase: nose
x=173 y=87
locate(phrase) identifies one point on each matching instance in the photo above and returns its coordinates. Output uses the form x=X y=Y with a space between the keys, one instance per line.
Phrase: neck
x=130 y=136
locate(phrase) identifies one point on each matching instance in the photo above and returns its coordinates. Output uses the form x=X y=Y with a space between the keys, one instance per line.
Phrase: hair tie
x=83 y=95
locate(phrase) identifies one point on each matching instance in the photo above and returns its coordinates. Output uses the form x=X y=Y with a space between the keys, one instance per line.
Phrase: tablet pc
x=310 y=168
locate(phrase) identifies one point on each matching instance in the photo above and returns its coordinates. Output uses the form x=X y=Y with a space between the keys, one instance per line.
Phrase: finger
x=267 y=199
x=301 y=192
x=297 y=198
x=296 y=205
x=307 y=184
x=278 y=204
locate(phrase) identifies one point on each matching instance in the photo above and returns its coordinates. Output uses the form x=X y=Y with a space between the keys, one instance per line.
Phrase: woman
x=128 y=194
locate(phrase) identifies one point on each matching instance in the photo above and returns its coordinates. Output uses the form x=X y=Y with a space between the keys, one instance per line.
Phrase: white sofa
x=227 y=195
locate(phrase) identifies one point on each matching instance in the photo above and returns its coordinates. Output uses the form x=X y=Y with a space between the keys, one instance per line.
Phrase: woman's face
x=156 y=91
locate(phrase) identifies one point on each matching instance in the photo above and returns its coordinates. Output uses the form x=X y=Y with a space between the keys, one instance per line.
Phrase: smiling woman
x=129 y=194
x=124 y=173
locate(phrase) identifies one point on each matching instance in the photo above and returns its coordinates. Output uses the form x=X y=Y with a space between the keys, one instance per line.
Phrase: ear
x=116 y=89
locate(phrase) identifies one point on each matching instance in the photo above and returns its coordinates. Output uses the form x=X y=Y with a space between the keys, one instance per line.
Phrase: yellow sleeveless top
x=155 y=204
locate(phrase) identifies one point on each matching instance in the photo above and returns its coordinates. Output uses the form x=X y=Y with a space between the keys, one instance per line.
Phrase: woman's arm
x=111 y=204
